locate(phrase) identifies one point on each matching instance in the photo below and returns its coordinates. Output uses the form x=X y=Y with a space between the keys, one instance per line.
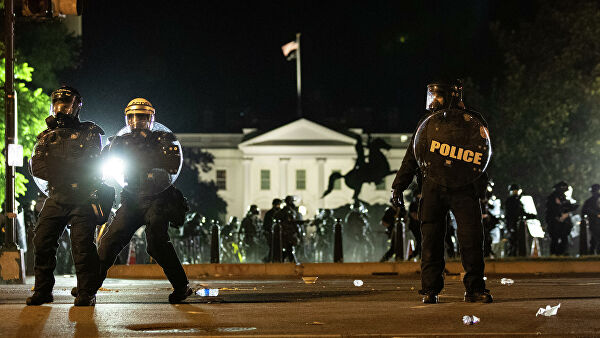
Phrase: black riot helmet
x=514 y=190
x=66 y=101
x=561 y=186
x=442 y=94
x=291 y=200
x=253 y=210
x=595 y=188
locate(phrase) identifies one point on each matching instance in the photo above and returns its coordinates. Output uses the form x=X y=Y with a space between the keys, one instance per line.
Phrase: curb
x=196 y=271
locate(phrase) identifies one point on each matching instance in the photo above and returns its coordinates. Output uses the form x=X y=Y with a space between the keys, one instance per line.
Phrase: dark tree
x=543 y=111
x=201 y=195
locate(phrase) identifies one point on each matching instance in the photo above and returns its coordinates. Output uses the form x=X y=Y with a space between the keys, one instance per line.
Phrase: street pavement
x=382 y=306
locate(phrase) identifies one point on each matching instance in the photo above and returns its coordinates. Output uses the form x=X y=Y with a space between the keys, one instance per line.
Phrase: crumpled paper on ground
x=548 y=311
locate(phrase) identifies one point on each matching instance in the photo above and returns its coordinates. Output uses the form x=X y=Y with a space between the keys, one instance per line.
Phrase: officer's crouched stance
x=451 y=150
x=66 y=158
x=153 y=161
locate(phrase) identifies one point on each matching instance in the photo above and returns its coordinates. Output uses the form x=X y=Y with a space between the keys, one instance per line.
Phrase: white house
x=254 y=167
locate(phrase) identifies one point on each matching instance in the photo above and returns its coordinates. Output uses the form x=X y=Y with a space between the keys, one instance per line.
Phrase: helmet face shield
x=66 y=102
x=434 y=101
x=442 y=95
x=140 y=121
x=139 y=114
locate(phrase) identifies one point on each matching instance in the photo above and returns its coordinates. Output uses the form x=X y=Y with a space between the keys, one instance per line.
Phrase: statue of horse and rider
x=373 y=171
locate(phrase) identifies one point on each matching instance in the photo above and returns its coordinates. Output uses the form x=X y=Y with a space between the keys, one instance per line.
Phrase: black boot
x=430 y=298
x=478 y=297
x=85 y=299
x=39 y=298
x=179 y=294
x=74 y=291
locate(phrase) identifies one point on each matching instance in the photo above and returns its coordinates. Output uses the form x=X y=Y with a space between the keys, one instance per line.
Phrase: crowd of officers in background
x=506 y=227
x=509 y=228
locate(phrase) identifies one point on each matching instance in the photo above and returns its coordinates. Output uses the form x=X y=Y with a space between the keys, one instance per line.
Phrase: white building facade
x=294 y=159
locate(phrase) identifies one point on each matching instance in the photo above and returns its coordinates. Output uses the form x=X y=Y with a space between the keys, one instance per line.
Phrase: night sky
x=217 y=66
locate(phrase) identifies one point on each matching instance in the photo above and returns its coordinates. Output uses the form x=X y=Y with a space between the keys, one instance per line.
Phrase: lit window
x=338 y=183
x=221 y=179
x=380 y=185
x=300 y=179
x=265 y=180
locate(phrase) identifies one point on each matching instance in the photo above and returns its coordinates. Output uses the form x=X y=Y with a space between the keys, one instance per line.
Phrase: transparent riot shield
x=452 y=147
x=143 y=163
x=41 y=183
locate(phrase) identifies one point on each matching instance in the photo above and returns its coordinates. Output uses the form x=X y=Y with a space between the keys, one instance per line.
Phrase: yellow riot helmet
x=139 y=114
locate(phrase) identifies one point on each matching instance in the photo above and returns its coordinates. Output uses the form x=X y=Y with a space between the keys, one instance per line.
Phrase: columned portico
x=283 y=176
x=294 y=159
x=321 y=179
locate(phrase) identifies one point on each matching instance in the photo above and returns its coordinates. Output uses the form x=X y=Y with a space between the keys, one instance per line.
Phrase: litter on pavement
x=309 y=280
x=548 y=311
x=507 y=281
x=470 y=320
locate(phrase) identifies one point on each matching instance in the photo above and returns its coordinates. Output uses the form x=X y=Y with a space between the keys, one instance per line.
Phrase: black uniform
x=249 y=228
x=66 y=156
x=436 y=201
x=559 y=222
x=290 y=220
x=325 y=223
x=357 y=234
x=268 y=230
x=516 y=227
x=591 y=209
x=141 y=205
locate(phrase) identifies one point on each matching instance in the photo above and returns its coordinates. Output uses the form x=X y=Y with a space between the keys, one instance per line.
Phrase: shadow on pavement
x=85 y=324
x=32 y=320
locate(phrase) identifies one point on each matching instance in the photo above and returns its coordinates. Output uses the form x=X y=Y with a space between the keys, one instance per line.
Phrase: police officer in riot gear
x=357 y=233
x=268 y=226
x=249 y=228
x=451 y=148
x=514 y=214
x=65 y=165
x=591 y=209
x=558 y=218
x=148 y=197
x=290 y=220
x=490 y=221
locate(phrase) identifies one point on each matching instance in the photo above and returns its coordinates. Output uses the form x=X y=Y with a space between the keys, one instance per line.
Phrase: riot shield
x=143 y=164
x=452 y=147
x=41 y=183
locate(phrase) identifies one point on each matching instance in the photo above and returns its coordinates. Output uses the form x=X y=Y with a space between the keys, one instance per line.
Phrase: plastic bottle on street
x=207 y=292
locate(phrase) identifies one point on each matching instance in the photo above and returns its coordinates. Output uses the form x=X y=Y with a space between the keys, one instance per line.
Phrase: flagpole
x=298 y=77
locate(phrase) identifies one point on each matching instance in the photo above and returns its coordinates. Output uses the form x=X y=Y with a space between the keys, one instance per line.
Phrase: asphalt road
x=382 y=306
